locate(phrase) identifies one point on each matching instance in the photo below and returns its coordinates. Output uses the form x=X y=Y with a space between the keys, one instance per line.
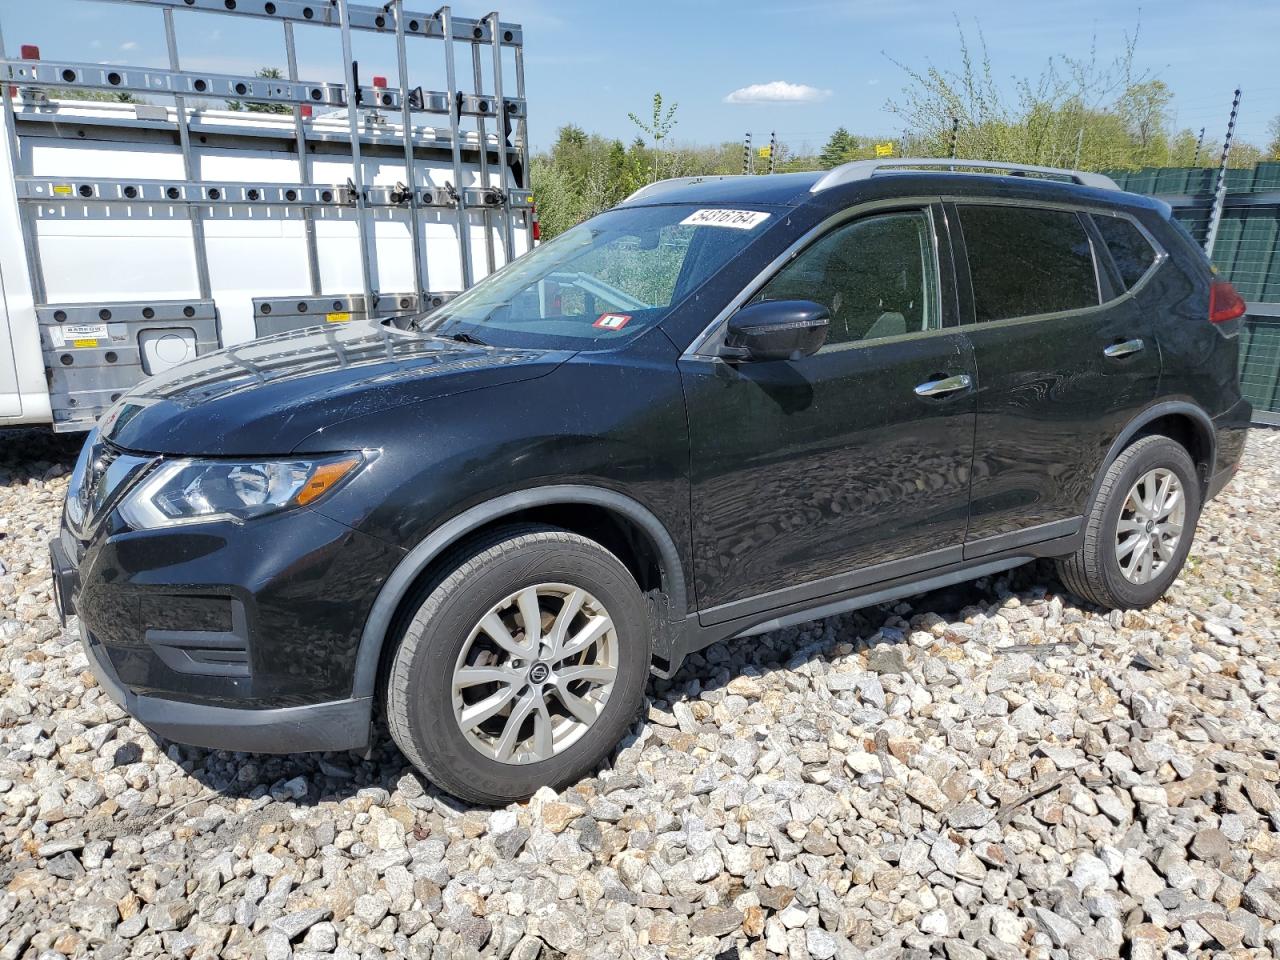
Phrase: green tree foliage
x=583 y=175
x=1079 y=112
x=97 y=96
x=266 y=73
x=662 y=123
x=658 y=128
x=1273 y=131
x=839 y=148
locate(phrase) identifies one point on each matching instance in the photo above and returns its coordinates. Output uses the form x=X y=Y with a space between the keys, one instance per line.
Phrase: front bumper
x=240 y=639
x=336 y=725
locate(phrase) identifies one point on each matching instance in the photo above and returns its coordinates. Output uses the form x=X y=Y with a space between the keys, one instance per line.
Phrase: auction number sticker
x=717 y=217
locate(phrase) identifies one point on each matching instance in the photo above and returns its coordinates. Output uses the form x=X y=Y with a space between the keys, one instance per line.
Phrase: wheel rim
x=1150 y=525
x=535 y=673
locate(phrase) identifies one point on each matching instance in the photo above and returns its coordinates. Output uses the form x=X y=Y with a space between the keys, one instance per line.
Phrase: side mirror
x=776 y=330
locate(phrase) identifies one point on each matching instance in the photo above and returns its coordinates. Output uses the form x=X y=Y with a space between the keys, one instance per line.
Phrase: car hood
x=266 y=396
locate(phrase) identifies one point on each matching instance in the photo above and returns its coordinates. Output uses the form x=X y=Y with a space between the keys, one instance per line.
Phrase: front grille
x=104 y=473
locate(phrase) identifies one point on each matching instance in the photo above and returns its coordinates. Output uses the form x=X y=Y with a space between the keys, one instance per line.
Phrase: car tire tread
x=1085 y=572
x=463 y=566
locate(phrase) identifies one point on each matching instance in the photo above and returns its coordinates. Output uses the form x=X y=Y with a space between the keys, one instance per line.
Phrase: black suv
x=726 y=406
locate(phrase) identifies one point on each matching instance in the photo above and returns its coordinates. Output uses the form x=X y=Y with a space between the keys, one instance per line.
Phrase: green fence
x=1247 y=252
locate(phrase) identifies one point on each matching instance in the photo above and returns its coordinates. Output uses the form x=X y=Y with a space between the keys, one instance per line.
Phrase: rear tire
x=1139 y=530
x=560 y=696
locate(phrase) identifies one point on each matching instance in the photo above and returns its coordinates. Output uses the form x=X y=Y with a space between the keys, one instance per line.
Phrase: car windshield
x=600 y=283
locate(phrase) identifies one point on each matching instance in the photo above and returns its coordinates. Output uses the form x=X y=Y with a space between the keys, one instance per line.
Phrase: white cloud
x=129 y=45
x=778 y=91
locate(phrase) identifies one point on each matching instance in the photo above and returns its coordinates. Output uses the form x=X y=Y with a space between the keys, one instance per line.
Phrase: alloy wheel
x=1150 y=525
x=535 y=673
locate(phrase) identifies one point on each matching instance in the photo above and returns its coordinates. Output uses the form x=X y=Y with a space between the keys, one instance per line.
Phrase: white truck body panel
x=101 y=288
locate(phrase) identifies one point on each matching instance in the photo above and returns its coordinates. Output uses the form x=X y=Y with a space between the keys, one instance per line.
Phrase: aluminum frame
x=858 y=170
x=499 y=197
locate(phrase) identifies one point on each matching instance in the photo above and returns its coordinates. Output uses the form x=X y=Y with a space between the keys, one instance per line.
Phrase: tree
x=1078 y=111
x=1273 y=131
x=98 y=96
x=662 y=123
x=266 y=73
x=839 y=148
x=658 y=129
x=1144 y=108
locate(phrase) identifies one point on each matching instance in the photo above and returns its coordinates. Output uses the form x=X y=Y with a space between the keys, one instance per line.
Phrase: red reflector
x=30 y=51
x=306 y=111
x=380 y=82
x=1224 y=303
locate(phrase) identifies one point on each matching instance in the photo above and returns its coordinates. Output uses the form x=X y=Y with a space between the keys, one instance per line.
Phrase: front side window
x=1132 y=253
x=1024 y=261
x=876 y=276
x=601 y=283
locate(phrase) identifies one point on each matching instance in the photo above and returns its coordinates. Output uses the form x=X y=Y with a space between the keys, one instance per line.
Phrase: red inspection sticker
x=612 y=321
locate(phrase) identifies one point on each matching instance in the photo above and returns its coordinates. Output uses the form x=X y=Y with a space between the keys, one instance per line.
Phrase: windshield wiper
x=461 y=337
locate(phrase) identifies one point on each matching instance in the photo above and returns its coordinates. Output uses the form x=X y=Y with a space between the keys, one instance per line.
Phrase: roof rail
x=866 y=169
x=661 y=186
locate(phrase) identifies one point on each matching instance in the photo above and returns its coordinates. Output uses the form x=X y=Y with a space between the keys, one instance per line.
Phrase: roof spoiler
x=866 y=169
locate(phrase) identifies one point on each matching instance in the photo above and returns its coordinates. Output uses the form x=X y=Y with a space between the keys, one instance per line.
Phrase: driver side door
x=814 y=476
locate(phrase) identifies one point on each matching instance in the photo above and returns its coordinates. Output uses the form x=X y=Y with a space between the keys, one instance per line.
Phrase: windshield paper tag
x=612 y=321
x=736 y=219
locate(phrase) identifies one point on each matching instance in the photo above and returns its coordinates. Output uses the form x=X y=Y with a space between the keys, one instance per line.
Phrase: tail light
x=536 y=226
x=1224 y=303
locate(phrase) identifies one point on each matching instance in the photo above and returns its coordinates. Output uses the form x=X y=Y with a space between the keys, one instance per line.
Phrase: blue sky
x=591 y=62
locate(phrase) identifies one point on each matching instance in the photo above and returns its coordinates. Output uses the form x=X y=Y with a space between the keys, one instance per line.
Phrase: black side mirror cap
x=776 y=330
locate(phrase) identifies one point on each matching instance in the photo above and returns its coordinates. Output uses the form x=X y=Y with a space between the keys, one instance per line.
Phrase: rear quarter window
x=1131 y=252
x=1025 y=261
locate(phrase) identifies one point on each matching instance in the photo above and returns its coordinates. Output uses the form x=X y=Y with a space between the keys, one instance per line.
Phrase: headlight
x=77 y=499
x=197 y=491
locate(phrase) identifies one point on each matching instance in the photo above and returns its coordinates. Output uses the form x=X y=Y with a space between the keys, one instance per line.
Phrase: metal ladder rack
x=487 y=124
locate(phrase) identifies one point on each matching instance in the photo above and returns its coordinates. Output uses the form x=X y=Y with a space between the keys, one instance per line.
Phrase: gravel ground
x=991 y=771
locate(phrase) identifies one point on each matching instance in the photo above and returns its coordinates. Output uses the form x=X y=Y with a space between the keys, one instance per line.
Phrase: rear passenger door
x=1065 y=358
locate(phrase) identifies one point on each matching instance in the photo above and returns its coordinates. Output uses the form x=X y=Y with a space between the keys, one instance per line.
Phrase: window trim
x=953 y=203
x=1161 y=255
x=932 y=230
x=703 y=346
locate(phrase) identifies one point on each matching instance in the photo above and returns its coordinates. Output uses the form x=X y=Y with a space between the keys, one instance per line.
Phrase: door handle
x=939 y=388
x=1123 y=349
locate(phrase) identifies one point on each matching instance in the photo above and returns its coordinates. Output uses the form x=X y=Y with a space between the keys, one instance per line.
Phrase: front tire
x=1139 y=531
x=522 y=666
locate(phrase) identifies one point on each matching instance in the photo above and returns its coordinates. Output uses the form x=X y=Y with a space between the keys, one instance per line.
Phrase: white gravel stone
x=1003 y=773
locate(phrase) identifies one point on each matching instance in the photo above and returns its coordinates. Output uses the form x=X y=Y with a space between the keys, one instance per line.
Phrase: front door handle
x=1124 y=348
x=938 y=388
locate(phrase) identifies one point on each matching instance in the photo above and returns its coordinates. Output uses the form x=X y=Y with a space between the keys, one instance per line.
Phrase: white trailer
x=134 y=236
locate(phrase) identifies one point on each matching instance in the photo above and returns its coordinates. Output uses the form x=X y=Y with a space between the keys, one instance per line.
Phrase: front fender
x=400 y=582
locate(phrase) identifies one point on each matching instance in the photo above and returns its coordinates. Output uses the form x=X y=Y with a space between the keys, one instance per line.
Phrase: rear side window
x=1132 y=254
x=1024 y=261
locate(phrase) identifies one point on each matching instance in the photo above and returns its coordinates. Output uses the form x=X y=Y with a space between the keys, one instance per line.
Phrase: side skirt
x=885 y=595
x=690 y=636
